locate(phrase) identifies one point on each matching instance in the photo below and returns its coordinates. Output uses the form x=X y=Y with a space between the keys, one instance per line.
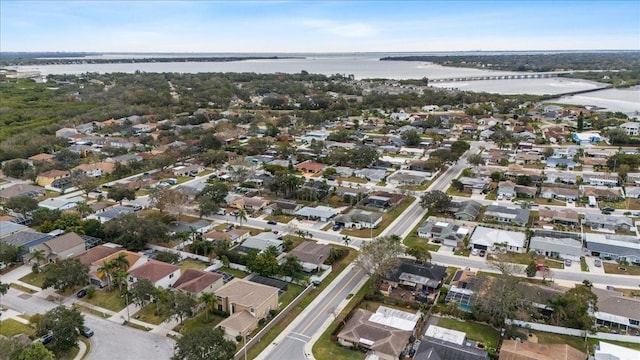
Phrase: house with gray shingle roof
x=507 y=215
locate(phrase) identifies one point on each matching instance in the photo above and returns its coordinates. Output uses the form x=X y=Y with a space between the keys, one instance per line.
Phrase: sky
x=318 y=26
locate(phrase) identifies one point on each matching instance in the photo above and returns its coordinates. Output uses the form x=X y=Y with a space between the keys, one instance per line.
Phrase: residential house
x=565 y=217
x=384 y=333
x=617 y=311
x=112 y=213
x=382 y=200
x=246 y=302
x=632 y=128
x=507 y=189
x=59 y=248
x=423 y=278
x=311 y=254
x=188 y=170
x=282 y=207
x=474 y=185
x=197 y=282
x=233 y=236
x=42 y=158
x=47 y=178
x=561 y=177
x=160 y=274
x=66 y=132
x=596 y=163
x=528 y=350
x=514 y=171
x=559 y=193
x=315 y=135
x=60 y=203
x=607 y=351
x=616 y=247
x=310 y=167
x=554 y=162
x=490 y=239
x=600 y=180
x=565 y=247
x=197 y=227
x=263 y=241
x=359 y=219
x=526 y=191
x=21 y=190
x=251 y=204
x=95 y=170
x=465 y=210
x=124 y=159
x=463 y=285
x=586 y=138
x=507 y=215
x=632 y=192
x=321 y=213
x=408 y=177
x=603 y=193
x=447 y=233
x=25 y=238
x=527 y=158
x=440 y=343
x=607 y=223
x=95 y=275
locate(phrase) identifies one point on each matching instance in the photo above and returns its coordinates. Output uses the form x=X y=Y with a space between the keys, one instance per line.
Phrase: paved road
x=292 y=346
x=111 y=340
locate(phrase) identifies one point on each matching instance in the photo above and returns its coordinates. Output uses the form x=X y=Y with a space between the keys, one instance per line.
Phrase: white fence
x=318 y=278
x=183 y=254
x=573 y=332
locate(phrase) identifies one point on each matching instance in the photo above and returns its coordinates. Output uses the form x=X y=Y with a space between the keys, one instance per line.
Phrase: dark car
x=336 y=227
x=85 y=331
x=608 y=209
x=46 y=338
x=272 y=222
x=81 y=293
x=482 y=253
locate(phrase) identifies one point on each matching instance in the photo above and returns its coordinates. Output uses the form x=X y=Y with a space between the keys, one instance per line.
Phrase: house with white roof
x=632 y=128
x=484 y=238
x=615 y=247
x=262 y=241
x=447 y=233
x=322 y=213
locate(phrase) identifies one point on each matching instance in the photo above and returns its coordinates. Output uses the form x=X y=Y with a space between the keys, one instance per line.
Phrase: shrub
x=91 y=291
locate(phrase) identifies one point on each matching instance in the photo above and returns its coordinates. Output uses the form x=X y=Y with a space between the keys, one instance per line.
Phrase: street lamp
x=245 y=344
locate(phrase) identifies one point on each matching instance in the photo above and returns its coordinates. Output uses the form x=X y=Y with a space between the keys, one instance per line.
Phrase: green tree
x=623 y=172
x=497 y=176
x=118 y=194
x=209 y=302
x=210 y=198
x=142 y=291
x=531 y=269
x=420 y=251
x=63 y=323
x=22 y=204
x=459 y=147
x=17 y=169
x=435 y=199
x=266 y=262
x=204 y=344
x=476 y=160
x=133 y=232
x=39 y=256
x=65 y=274
x=524 y=180
x=292 y=267
x=184 y=305
x=85 y=183
x=580 y=124
x=379 y=256
x=411 y=138
x=35 y=351
x=548 y=152
x=241 y=215
x=9 y=252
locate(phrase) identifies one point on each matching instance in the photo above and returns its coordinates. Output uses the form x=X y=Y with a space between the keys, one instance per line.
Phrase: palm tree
x=38 y=255
x=242 y=215
x=346 y=240
x=121 y=262
x=119 y=277
x=84 y=209
x=209 y=301
x=107 y=269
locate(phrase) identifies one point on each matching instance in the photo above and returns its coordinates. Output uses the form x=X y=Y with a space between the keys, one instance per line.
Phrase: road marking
x=320 y=313
x=296 y=339
x=301 y=335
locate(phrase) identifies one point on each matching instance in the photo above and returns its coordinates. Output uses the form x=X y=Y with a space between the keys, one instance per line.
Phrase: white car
x=474 y=252
x=500 y=197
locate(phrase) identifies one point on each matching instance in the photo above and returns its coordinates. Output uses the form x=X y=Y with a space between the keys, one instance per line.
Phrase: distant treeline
x=14 y=60
x=628 y=60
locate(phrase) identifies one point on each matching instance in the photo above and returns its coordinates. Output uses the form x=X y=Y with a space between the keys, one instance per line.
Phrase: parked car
x=336 y=227
x=85 y=331
x=46 y=338
x=81 y=293
x=482 y=253
x=567 y=262
x=608 y=208
x=597 y=262
x=272 y=222
x=474 y=252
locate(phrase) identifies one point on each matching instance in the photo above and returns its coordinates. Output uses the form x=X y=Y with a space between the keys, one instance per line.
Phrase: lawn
x=280 y=218
x=235 y=272
x=34 y=279
x=22 y=288
x=475 y=331
x=633 y=204
x=192 y=264
x=413 y=238
x=295 y=240
x=12 y=327
x=291 y=293
x=462 y=252
x=553 y=202
x=614 y=268
x=387 y=219
x=199 y=321
x=353 y=179
x=454 y=192
x=268 y=338
x=491 y=196
x=583 y=265
x=110 y=300
x=525 y=259
x=148 y=315
x=551 y=338
x=451 y=271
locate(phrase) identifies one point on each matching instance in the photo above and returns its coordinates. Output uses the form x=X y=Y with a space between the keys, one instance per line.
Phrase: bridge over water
x=500 y=77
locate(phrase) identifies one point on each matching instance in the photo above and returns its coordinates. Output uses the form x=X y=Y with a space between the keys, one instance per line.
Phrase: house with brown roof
x=248 y=203
x=48 y=177
x=160 y=274
x=563 y=216
x=310 y=167
x=603 y=193
x=42 y=158
x=197 y=282
x=311 y=254
x=385 y=333
x=527 y=350
x=232 y=236
x=21 y=190
x=134 y=260
x=59 y=248
x=246 y=302
x=96 y=253
x=95 y=170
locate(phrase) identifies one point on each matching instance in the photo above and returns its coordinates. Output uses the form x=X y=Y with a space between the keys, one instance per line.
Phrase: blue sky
x=317 y=26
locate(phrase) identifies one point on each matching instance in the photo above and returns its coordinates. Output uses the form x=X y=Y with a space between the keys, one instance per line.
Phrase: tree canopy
x=379 y=256
x=204 y=344
x=63 y=323
x=65 y=274
x=435 y=199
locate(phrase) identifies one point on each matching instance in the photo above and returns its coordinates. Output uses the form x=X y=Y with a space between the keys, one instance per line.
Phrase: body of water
x=364 y=66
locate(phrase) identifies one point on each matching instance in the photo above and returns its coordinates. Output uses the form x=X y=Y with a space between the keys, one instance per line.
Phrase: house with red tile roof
x=197 y=282
x=160 y=274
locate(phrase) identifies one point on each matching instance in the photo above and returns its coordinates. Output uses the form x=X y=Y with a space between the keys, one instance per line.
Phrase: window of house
x=634 y=322
x=170 y=276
